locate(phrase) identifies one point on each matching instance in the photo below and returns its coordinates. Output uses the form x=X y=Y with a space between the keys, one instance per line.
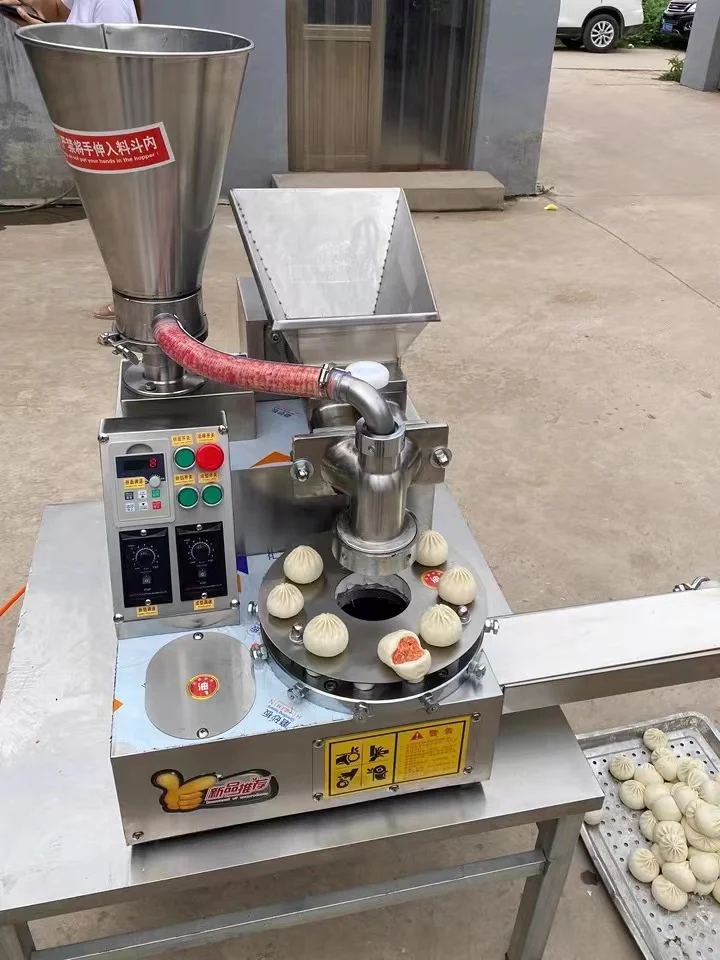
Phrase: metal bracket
x=309 y=451
x=428 y=701
x=118 y=346
x=361 y=712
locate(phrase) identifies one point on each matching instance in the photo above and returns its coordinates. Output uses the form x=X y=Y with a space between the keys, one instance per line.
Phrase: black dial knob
x=145 y=558
x=200 y=551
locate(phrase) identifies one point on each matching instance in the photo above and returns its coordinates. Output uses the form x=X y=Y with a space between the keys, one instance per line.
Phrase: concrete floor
x=585 y=433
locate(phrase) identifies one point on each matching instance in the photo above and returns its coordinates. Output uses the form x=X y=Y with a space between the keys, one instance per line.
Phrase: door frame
x=297 y=31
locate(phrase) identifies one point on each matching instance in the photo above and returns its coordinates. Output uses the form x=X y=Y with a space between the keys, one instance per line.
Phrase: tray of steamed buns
x=656 y=841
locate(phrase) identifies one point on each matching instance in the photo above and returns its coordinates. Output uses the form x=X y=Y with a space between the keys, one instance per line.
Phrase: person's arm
x=53 y=10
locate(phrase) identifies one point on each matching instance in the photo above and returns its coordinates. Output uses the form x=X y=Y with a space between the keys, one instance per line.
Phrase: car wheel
x=572 y=43
x=601 y=33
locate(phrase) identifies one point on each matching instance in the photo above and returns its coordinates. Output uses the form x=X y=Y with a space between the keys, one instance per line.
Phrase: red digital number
x=152 y=462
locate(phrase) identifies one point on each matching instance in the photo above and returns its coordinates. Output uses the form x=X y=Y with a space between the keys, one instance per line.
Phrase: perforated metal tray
x=692 y=933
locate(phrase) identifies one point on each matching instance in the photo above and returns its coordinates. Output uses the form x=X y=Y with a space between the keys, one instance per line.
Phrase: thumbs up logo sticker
x=213 y=790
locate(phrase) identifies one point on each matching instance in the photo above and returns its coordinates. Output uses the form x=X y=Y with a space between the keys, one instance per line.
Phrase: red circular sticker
x=202 y=687
x=431 y=578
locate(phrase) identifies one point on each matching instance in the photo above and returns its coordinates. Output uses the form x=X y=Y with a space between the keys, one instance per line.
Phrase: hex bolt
x=476 y=671
x=330 y=686
x=222 y=429
x=198 y=527
x=476 y=717
x=275 y=337
x=198 y=636
x=103 y=437
x=150 y=386
x=464 y=614
x=492 y=626
x=301 y=470
x=467 y=770
x=296 y=693
x=203 y=733
x=148 y=602
x=138 y=835
x=296 y=633
x=393 y=788
x=317 y=796
x=118 y=618
x=252 y=608
x=234 y=603
x=318 y=743
x=441 y=457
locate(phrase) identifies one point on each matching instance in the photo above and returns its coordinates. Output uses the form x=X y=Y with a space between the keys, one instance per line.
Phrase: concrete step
x=426 y=190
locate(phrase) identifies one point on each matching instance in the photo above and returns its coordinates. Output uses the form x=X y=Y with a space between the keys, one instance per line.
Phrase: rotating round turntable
x=370 y=607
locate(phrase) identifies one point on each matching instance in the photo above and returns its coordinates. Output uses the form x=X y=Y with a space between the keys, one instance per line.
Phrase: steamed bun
x=303 y=565
x=440 y=626
x=432 y=549
x=402 y=652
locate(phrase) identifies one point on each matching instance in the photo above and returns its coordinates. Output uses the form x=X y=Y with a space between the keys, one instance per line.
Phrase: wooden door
x=335 y=83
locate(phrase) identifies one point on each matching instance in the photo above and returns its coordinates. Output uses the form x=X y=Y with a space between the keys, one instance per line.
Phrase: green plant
x=650 y=32
x=676 y=68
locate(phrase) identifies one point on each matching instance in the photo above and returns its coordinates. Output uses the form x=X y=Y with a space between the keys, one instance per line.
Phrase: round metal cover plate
x=359 y=663
x=199 y=682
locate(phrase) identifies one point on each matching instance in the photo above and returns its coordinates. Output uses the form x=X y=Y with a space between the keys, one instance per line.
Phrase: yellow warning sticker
x=207 y=436
x=129 y=483
x=182 y=478
x=211 y=476
x=151 y=611
x=397 y=755
x=181 y=440
x=207 y=604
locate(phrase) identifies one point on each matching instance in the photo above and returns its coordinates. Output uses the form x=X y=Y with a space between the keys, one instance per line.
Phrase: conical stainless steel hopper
x=144 y=116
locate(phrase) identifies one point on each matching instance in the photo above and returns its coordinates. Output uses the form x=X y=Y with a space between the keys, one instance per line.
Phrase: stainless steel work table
x=61 y=842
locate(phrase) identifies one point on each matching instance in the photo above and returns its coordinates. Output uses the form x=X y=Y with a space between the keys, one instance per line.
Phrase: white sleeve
x=114 y=11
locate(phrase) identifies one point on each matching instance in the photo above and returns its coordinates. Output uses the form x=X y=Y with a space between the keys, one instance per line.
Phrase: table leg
x=16 y=942
x=557 y=840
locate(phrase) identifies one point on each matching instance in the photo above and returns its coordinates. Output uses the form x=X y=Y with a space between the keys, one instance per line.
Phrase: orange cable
x=8 y=603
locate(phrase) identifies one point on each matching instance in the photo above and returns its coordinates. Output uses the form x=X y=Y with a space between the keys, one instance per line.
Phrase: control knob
x=145 y=558
x=200 y=551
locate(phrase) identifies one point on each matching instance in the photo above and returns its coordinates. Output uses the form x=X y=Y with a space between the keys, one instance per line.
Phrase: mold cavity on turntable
x=373 y=598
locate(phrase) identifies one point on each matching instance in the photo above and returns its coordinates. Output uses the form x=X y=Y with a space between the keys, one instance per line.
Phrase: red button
x=209 y=456
x=202 y=687
x=157 y=504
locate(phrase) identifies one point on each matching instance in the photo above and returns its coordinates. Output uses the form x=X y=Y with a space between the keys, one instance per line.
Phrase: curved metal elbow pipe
x=367 y=401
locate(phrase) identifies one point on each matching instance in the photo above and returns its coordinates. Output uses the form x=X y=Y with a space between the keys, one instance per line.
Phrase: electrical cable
x=37 y=206
x=13 y=599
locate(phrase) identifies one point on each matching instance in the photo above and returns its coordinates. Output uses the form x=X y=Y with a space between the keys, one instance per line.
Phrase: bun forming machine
x=215 y=466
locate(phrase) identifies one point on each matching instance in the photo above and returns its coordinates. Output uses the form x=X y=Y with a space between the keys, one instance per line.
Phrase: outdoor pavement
x=578 y=364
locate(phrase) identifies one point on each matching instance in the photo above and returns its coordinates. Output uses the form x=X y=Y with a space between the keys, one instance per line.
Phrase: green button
x=184 y=457
x=212 y=494
x=187 y=497
x=155 y=493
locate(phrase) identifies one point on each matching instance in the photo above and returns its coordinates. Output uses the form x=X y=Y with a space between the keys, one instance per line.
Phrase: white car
x=597 y=27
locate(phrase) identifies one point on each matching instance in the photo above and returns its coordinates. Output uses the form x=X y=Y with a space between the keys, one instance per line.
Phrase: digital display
x=148 y=465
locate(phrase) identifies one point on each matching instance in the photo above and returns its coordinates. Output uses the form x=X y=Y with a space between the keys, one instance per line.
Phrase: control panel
x=168 y=512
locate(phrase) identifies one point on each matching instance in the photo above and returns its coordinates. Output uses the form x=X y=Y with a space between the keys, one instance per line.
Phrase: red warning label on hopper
x=115 y=151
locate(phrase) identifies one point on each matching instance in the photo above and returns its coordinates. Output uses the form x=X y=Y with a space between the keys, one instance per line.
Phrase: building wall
x=31 y=165
x=259 y=144
x=512 y=84
x=513 y=79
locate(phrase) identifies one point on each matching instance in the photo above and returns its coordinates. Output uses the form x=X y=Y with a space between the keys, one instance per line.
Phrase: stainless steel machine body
x=221 y=716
